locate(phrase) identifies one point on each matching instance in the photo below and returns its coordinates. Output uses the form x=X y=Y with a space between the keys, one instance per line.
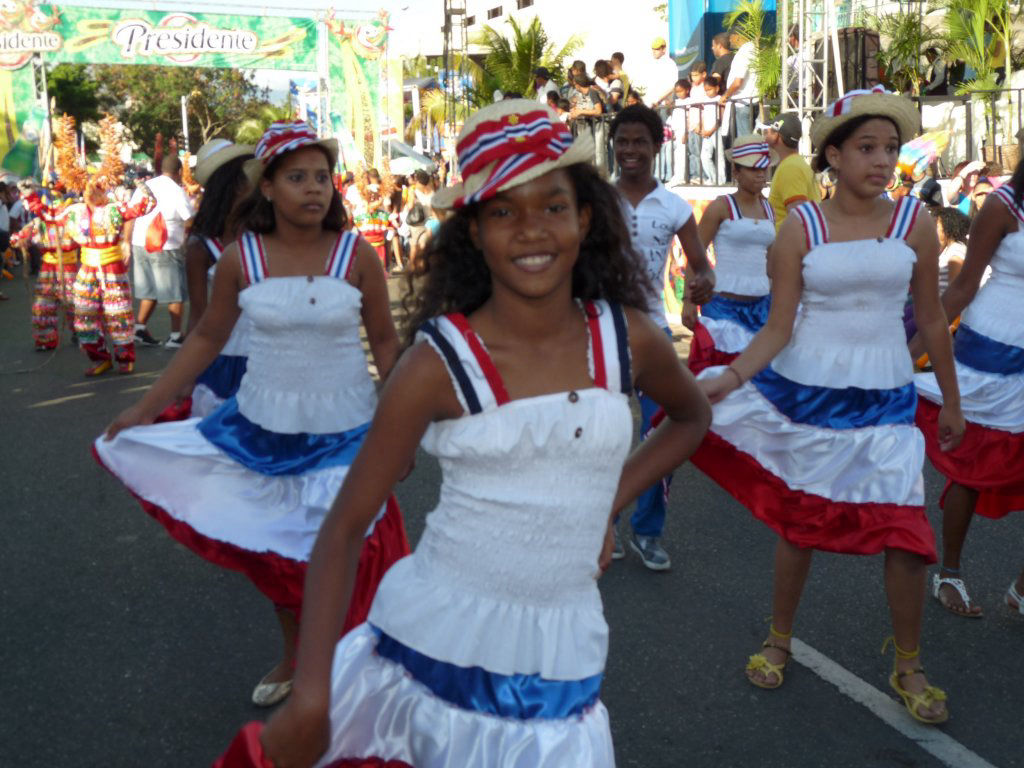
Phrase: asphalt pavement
x=121 y=648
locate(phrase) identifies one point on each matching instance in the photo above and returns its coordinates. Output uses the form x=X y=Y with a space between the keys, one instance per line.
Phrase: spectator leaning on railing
x=662 y=75
x=742 y=88
x=617 y=60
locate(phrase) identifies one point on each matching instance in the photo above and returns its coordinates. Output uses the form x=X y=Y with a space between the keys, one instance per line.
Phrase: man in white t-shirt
x=159 y=275
x=742 y=88
x=655 y=218
x=662 y=74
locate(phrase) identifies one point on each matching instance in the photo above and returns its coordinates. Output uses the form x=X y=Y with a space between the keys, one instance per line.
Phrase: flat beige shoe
x=269 y=694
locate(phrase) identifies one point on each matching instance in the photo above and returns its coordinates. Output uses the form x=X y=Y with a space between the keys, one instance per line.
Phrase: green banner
x=109 y=36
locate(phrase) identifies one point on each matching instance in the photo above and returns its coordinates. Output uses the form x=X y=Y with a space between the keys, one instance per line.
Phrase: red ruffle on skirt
x=991 y=461
x=246 y=751
x=809 y=521
x=703 y=353
x=179 y=410
x=280 y=578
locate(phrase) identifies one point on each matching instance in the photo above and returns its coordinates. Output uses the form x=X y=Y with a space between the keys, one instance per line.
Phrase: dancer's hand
x=129 y=417
x=951 y=427
x=297 y=735
x=702 y=287
x=716 y=388
x=689 y=315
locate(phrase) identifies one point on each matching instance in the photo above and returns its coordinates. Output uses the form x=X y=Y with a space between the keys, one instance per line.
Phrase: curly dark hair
x=955 y=224
x=256 y=214
x=839 y=136
x=638 y=113
x=453 y=277
x=219 y=197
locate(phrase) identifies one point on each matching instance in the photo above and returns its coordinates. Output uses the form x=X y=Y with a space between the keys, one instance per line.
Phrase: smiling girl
x=814 y=422
x=487 y=645
x=248 y=486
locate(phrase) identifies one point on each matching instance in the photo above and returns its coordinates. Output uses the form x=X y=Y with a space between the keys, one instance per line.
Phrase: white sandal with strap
x=1013 y=596
x=958 y=584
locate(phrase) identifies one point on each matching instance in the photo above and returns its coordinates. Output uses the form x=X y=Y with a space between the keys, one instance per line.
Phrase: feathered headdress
x=70 y=172
x=111 y=170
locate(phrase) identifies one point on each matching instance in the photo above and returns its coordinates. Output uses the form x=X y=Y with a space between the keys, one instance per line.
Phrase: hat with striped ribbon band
x=282 y=137
x=875 y=101
x=508 y=144
x=752 y=152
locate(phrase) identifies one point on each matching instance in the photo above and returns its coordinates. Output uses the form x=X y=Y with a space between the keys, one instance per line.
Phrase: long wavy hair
x=219 y=197
x=452 y=275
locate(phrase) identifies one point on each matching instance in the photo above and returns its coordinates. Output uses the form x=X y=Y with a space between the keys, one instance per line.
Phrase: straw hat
x=876 y=101
x=751 y=151
x=282 y=137
x=508 y=144
x=213 y=154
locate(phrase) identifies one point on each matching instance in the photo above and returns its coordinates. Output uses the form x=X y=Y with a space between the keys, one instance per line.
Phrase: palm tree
x=905 y=39
x=509 y=61
x=251 y=129
x=748 y=21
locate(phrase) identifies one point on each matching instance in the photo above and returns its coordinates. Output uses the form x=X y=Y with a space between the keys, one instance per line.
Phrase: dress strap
x=476 y=380
x=734 y=208
x=1005 y=193
x=254 y=258
x=769 y=212
x=903 y=217
x=342 y=255
x=214 y=246
x=609 y=346
x=815 y=228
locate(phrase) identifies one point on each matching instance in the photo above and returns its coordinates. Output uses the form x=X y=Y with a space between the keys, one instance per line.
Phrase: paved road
x=120 y=648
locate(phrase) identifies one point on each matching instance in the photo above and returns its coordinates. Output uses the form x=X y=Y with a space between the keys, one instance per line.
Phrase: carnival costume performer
x=813 y=425
x=985 y=475
x=103 y=295
x=54 y=294
x=219 y=169
x=263 y=468
x=487 y=645
x=369 y=199
x=742 y=227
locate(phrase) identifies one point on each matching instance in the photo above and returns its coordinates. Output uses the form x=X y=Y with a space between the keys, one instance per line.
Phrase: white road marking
x=59 y=400
x=929 y=738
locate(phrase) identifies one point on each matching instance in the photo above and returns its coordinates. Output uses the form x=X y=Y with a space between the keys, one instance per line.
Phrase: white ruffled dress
x=727 y=325
x=821 y=444
x=248 y=486
x=989 y=356
x=486 y=646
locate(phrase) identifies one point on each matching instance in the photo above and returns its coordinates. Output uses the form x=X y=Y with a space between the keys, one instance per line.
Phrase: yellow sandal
x=914 y=702
x=759 y=663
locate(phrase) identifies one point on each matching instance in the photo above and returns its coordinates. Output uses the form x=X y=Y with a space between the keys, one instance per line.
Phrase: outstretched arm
x=200 y=349
x=417 y=393
x=702 y=286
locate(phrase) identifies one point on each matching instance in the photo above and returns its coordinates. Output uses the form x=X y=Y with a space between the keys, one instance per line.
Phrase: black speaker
x=858 y=58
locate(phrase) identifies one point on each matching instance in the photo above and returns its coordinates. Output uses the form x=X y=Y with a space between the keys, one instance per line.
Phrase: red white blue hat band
x=875 y=101
x=282 y=137
x=508 y=144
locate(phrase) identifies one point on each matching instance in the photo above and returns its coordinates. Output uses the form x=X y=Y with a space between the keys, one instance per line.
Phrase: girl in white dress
x=814 y=423
x=248 y=486
x=486 y=646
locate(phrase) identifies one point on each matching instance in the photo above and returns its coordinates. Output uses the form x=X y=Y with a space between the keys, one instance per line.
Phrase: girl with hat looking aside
x=742 y=228
x=985 y=475
x=486 y=646
x=220 y=170
x=264 y=467
x=813 y=425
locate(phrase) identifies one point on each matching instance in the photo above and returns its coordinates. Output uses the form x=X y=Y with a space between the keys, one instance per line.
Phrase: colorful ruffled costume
x=989 y=355
x=56 y=280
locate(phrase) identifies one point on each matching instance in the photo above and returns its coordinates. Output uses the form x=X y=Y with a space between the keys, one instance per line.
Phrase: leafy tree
x=905 y=40
x=147 y=99
x=509 y=61
x=75 y=91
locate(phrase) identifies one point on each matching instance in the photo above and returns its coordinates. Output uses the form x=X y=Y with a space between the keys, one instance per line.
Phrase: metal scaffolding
x=456 y=55
x=810 y=82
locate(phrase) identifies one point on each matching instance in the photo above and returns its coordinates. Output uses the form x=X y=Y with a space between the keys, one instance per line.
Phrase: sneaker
x=174 y=341
x=618 y=551
x=143 y=336
x=651 y=552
